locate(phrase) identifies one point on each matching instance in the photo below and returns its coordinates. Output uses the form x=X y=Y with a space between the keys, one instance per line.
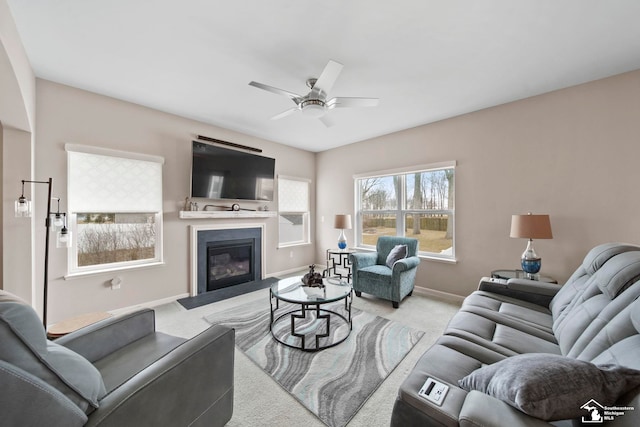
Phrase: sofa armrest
x=103 y=338
x=534 y=286
x=26 y=400
x=406 y=264
x=193 y=382
x=360 y=260
x=540 y=293
x=480 y=409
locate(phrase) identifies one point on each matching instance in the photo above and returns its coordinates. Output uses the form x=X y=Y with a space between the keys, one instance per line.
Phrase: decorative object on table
x=313 y=279
x=530 y=227
x=23 y=210
x=342 y=222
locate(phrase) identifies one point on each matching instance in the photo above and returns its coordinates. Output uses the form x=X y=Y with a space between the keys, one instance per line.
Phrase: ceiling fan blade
x=294 y=96
x=328 y=122
x=285 y=113
x=328 y=77
x=340 y=102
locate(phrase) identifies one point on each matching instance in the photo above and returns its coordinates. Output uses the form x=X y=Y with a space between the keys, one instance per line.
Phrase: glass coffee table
x=312 y=325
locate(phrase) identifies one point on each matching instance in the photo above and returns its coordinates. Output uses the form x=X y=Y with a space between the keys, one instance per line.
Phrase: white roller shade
x=98 y=182
x=293 y=195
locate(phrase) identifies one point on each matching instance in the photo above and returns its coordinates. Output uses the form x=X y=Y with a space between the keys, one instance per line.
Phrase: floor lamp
x=23 y=209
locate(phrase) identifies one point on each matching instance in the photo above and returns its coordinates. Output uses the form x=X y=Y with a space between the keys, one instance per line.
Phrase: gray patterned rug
x=333 y=383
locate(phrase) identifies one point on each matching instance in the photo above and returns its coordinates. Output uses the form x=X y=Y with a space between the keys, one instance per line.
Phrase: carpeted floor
x=333 y=383
x=260 y=401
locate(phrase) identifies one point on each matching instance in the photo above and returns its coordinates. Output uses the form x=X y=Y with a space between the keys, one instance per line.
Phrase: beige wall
x=17 y=122
x=68 y=115
x=572 y=154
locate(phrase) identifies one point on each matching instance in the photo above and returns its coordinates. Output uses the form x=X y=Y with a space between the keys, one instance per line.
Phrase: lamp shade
x=531 y=226
x=342 y=222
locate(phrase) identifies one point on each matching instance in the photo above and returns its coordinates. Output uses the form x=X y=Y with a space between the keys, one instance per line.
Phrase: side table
x=338 y=263
x=519 y=274
x=73 y=324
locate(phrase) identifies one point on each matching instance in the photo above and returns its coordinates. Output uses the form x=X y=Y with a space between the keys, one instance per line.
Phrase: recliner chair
x=117 y=372
x=393 y=282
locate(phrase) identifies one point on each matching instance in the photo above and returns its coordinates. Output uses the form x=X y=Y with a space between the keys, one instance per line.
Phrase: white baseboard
x=149 y=304
x=438 y=294
x=288 y=272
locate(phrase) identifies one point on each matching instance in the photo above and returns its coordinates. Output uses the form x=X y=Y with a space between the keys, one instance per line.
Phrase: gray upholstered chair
x=372 y=274
x=118 y=372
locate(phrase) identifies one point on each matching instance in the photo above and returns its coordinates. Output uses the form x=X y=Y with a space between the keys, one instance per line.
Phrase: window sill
x=80 y=274
x=292 y=245
x=425 y=257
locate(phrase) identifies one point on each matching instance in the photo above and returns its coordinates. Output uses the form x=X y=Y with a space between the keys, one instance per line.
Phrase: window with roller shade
x=114 y=208
x=293 y=211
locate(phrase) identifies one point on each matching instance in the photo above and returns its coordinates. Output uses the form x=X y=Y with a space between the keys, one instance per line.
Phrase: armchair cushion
x=25 y=345
x=551 y=387
x=397 y=253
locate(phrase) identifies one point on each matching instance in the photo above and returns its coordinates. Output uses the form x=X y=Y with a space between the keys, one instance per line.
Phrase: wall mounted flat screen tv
x=222 y=173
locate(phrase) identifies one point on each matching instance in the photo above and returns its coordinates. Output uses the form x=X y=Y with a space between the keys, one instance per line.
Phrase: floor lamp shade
x=531 y=227
x=342 y=222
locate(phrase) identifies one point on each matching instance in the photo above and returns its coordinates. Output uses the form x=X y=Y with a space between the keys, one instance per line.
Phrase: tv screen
x=222 y=173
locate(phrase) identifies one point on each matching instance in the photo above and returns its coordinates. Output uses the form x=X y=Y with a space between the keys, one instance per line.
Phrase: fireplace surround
x=214 y=245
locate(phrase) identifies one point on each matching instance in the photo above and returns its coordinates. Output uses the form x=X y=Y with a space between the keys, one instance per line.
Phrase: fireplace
x=229 y=262
x=224 y=257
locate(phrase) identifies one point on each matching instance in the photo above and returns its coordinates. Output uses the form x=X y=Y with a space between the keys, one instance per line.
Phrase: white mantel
x=226 y=214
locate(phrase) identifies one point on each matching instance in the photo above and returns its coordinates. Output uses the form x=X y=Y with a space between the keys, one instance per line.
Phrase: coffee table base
x=305 y=312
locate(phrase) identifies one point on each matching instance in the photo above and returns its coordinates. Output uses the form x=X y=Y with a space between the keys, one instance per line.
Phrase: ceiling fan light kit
x=315 y=104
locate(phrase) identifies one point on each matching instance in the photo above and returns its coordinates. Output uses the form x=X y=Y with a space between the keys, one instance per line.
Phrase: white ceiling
x=426 y=60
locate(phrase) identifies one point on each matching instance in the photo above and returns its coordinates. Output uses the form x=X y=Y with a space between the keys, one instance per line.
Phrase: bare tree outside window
x=417 y=204
x=106 y=238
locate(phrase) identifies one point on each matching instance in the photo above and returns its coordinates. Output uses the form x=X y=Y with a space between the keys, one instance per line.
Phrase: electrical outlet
x=290 y=254
x=116 y=282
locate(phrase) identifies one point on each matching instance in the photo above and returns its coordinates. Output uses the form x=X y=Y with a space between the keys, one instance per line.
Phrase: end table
x=519 y=274
x=338 y=263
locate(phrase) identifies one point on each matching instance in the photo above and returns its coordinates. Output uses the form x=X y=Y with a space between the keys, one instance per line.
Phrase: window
x=293 y=211
x=115 y=209
x=416 y=202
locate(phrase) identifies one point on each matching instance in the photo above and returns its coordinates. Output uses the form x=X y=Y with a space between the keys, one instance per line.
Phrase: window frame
x=73 y=270
x=306 y=214
x=400 y=211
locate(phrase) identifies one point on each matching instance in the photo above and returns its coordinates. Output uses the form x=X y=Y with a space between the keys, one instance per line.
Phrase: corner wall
x=572 y=154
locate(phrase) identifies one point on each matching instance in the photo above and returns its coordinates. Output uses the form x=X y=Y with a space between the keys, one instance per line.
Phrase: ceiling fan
x=315 y=104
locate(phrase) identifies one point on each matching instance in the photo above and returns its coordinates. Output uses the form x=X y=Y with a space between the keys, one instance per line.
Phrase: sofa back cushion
x=25 y=345
x=593 y=261
x=603 y=317
x=618 y=341
x=606 y=284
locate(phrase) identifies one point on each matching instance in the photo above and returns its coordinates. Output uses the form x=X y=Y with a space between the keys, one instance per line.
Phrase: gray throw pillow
x=551 y=387
x=397 y=253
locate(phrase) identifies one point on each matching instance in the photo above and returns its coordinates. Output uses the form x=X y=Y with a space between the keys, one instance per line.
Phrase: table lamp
x=342 y=222
x=530 y=227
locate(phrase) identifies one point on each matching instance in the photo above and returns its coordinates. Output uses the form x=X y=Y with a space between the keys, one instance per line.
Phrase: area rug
x=333 y=383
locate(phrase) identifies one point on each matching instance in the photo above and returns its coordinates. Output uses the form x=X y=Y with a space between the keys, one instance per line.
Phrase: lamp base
x=530 y=261
x=342 y=240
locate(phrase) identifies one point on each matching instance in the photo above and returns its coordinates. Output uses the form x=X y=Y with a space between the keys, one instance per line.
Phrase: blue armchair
x=371 y=275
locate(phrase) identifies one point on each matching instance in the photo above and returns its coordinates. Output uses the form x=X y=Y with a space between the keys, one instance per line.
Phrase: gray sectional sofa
x=524 y=353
